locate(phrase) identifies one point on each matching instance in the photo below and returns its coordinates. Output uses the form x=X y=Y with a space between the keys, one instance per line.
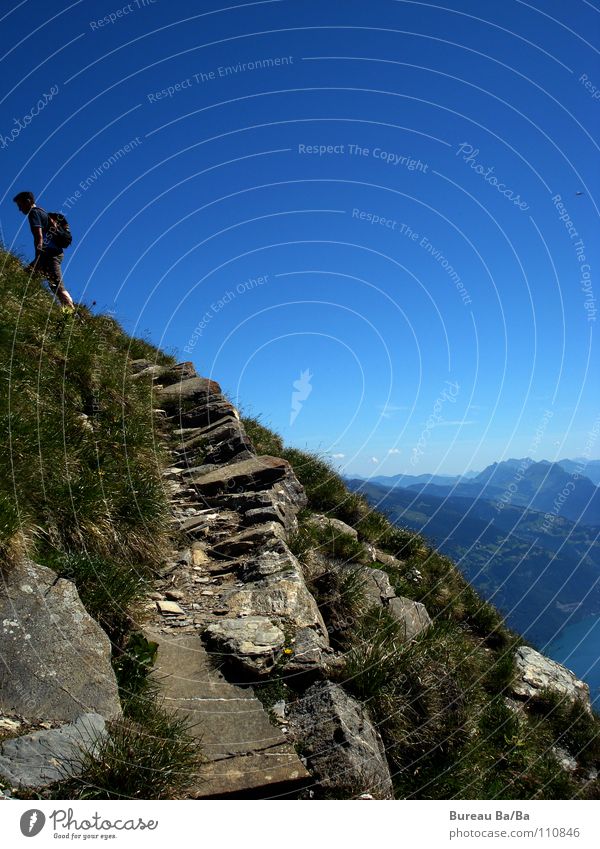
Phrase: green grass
x=327 y=541
x=570 y=725
x=81 y=492
x=149 y=754
x=264 y=440
x=82 y=469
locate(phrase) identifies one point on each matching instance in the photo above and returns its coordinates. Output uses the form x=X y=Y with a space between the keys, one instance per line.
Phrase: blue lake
x=578 y=647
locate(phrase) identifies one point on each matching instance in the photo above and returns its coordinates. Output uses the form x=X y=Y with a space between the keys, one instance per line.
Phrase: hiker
x=48 y=254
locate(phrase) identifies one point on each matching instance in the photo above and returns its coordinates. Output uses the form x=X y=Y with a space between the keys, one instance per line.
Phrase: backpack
x=59 y=230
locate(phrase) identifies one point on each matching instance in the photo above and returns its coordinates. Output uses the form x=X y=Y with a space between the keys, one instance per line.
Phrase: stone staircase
x=231 y=602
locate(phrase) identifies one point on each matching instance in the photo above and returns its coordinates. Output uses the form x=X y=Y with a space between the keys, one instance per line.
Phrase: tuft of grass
x=340 y=596
x=570 y=725
x=264 y=440
x=148 y=755
x=327 y=541
x=374 y=662
x=107 y=588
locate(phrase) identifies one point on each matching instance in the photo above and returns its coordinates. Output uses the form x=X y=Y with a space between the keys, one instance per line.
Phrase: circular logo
x=32 y=822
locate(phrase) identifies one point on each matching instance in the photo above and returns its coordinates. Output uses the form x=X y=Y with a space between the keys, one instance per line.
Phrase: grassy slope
x=439 y=702
x=81 y=492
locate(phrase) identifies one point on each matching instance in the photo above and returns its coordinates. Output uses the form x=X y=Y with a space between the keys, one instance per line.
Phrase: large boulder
x=55 y=657
x=343 y=751
x=45 y=757
x=279 y=591
x=412 y=616
x=375 y=584
x=535 y=672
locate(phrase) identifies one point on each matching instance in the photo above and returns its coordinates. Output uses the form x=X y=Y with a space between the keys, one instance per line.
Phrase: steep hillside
x=307 y=647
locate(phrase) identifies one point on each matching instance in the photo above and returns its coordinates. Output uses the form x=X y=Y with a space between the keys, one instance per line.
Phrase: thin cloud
x=453 y=423
x=393 y=451
x=388 y=410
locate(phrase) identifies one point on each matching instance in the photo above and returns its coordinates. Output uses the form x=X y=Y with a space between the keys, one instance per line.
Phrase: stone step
x=245 y=752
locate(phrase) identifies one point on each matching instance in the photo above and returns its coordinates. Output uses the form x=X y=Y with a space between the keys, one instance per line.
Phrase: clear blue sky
x=469 y=342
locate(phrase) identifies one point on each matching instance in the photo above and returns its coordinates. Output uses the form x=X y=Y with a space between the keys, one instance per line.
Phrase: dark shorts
x=48 y=265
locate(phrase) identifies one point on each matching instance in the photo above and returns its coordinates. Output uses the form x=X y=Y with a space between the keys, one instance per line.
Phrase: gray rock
x=280 y=503
x=343 y=751
x=388 y=560
x=216 y=444
x=375 y=584
x=255 y=474
x=566 y=760
x=279 y=709
x=213 y=410
x=281 y=596
x=137 y=366
x=151 y=371
x=195 y=471
x=274 y=588
x=190 y=392
x=45 y=757
x=534 y=672
x=260 y=515
x=56 y=659
x=175 y=374
x=249 y=540
x=253 y=641
x=333 y=525
x=412 y=616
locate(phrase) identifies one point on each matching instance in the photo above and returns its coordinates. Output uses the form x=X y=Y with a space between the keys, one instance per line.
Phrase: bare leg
x=63 y=296
x=54 y=276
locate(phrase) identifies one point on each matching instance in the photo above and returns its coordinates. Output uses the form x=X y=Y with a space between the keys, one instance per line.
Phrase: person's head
x=24 y=200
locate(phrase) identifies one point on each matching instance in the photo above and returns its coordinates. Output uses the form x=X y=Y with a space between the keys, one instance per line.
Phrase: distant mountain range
x=540 y=576
x=567 y=489
x=525 y=534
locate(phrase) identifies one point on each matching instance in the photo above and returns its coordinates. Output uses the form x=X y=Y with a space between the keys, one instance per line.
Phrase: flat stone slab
x=188 y=391
x=170 y=608
x=54 y=658
x=250 y=540
x=267 y=771
x=45 y=757
x=256 y=473
x=245 y=751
